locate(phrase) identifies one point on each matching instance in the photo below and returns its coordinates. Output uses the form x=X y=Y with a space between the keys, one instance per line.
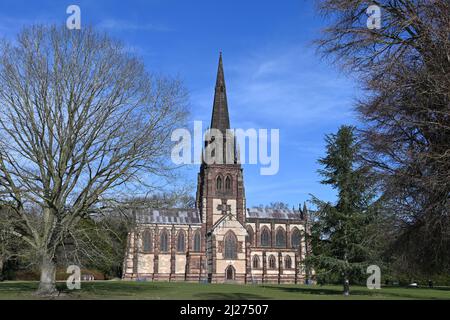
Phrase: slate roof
x=279 y=214
x=192 y=216
x=167 y=216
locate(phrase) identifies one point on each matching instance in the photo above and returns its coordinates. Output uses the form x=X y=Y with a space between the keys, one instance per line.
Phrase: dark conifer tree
x=341 y=232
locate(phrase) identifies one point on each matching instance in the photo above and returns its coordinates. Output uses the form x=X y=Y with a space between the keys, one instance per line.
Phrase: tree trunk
x=47 y=284
x=1 y=268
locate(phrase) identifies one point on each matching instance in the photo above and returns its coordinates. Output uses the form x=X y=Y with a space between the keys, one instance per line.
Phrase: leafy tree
x=340 y=233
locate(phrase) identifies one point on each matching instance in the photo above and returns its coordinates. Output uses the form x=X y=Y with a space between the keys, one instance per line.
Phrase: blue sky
x=274 y=77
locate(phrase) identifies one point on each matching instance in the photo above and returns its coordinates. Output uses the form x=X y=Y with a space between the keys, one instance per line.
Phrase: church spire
x=305 y=211
x=220 y=117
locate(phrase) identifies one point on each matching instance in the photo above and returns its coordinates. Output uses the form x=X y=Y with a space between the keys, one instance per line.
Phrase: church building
x=220 y=240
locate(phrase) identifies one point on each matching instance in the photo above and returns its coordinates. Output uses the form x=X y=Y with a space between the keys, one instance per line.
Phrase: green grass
x=190 y=291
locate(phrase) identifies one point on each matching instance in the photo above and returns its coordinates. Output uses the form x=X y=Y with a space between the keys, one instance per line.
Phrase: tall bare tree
x=7 y=242
x=405 y=69
x=80 y=119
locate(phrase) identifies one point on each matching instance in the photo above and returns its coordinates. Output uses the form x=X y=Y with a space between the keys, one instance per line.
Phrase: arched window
x=228 y=183
x=280 y=238
x=230 y=246
x=164 y=241
x=197 y=239
x=147 y=241
x=249 y=237
x=272 y=262
x=265 y=237
x=295 y=238
x=181 y=244
x=219 y=183
x=287 y=262
x=255 y=262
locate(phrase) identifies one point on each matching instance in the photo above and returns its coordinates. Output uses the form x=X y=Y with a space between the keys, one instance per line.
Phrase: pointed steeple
x=220 y=117
x=305 y=211
x=302 y=214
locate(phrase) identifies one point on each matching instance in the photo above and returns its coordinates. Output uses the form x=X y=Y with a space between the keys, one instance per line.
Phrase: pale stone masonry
x=219 y=241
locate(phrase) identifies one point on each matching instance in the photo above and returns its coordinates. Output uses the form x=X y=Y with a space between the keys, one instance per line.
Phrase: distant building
x=219 y=241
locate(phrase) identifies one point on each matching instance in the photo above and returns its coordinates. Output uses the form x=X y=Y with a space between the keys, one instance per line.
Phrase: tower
x=220 y=189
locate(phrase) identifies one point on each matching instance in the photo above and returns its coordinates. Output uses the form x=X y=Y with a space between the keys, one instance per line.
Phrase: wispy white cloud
x=283 y=88
x=290 y=88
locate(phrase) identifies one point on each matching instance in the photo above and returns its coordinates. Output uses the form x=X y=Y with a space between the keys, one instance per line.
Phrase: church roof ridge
x=268 y=213
x=167 y=215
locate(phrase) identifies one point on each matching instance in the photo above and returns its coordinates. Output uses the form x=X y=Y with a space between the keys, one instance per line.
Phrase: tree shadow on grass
x=108 y=289
x=301 y=290
x=318 y=291
x=227 y=296
x=441 y=288
x=18 y=286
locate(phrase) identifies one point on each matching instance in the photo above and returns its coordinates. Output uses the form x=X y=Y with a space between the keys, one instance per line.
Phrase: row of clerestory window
x=280 y=237
x=164 y=241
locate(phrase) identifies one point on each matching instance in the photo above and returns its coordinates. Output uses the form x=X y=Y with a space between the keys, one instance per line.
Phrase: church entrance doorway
x=230 y=273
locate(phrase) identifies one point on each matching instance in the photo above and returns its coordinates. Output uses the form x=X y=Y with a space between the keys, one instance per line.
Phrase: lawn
x=190 y=291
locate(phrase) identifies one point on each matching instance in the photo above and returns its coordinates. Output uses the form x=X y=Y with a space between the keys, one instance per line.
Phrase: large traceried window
x=272 y=262
x=280 y=238
x=197 y=239
x=181 y=244
x=164 y=241
x=295 y=238
x=265 y=237
x=230 y=242
x=147 y=242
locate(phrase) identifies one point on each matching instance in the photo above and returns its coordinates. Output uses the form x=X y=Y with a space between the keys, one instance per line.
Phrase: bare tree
x=278 y=206
x=181 y=199
x=405 y=70
x=7 y=240
x=80 y=119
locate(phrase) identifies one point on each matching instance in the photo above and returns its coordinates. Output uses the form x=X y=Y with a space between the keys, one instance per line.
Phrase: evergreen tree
x=403 y=68
x=341 y=233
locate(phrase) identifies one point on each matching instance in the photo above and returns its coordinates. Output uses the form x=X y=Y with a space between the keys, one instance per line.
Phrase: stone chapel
x=220 y=240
